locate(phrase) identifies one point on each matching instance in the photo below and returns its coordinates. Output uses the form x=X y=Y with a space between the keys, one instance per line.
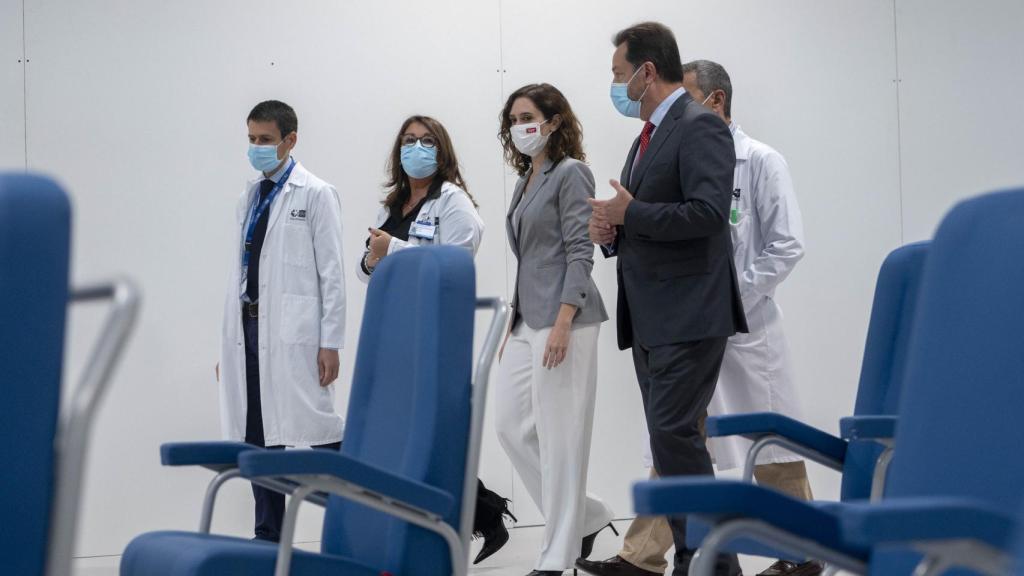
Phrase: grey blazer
x=553 y=247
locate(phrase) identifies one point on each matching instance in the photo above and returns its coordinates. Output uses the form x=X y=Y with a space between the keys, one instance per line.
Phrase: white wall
x=960 y=111
x=12 y=87
x=139 y=107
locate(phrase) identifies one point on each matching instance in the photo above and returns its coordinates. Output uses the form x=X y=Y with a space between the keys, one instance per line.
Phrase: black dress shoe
x=545 y=573
x=787 y=568
x=612 y=567
x=588 y=541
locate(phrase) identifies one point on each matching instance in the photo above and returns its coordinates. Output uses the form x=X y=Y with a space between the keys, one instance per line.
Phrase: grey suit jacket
x=552 y=246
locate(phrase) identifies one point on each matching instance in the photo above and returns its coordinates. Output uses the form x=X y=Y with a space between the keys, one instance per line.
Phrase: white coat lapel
x=296 y=179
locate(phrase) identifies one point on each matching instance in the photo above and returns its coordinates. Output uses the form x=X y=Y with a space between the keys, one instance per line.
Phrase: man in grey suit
x=678 y=299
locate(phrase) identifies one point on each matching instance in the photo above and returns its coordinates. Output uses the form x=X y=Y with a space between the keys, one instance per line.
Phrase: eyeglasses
x=426 y=141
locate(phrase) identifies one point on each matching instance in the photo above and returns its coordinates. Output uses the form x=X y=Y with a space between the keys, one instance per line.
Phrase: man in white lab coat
x=756 y=375
x=284 y=313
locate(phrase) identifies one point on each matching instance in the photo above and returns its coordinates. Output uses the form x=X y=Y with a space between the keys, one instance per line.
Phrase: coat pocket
x=300 y=320
x=298 y=245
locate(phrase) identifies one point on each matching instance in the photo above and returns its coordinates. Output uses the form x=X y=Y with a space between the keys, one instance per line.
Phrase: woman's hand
x=557 y=346
x=379 y=243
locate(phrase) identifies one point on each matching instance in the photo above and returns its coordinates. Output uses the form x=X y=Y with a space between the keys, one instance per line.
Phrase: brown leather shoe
x=786 y=568
x=612 y=567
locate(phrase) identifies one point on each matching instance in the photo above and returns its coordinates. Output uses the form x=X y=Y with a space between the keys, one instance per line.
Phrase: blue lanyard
x=257 y=210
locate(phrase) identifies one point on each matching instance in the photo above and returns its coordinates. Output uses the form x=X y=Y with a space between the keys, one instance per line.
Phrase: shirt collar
x=276 y=176
x=741 y=141
x=666 y=104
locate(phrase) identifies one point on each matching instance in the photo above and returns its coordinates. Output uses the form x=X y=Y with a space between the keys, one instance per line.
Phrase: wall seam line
x=899 y=120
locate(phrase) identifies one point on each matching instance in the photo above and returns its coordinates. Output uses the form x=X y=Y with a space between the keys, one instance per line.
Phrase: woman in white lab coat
x=427 y=204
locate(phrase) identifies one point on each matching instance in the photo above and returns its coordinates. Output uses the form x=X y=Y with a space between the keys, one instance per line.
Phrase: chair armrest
x=217 y=455
x=918 y=520
x=723 y=500
x=294 y=464
x=868 y=427
x=757 y=424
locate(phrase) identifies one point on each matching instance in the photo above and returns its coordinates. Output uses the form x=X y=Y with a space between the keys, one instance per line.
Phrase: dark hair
x=567 y=140
x=655 y=43
x=277 y=112
x=711 y=76
x=397 y=184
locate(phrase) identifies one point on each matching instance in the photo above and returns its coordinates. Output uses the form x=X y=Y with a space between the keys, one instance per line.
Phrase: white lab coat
x=767 y=240
x=458 y=224
x=301 y=308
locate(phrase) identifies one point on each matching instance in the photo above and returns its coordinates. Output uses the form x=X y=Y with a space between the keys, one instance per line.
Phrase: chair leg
x=211 y=497
x=291 y=516
x=879 y=476
x=930 y=566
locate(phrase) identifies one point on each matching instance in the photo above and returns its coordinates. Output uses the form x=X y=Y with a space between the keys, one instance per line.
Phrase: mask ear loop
x=646 y=88
x=284 y=141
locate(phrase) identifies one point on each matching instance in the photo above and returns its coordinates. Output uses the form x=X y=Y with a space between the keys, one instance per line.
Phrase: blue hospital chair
x=856 y=450
x=954 y=487
x=863 y=449
x=45 y=447
x=399 y=496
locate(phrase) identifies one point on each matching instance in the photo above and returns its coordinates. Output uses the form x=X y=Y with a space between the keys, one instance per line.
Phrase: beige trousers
x=649 y=537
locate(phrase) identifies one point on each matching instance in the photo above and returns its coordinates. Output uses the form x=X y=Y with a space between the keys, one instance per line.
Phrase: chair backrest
x=892 y=314
x=885 y=352
x=35 y=228
x=410 y=405
x=963 y=395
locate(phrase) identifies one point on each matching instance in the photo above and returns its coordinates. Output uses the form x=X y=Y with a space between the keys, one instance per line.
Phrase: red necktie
x=645 y=140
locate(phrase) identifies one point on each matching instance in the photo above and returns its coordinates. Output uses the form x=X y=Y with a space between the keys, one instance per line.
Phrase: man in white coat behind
x=756 y=374
x=284 y=313
x=768 y=241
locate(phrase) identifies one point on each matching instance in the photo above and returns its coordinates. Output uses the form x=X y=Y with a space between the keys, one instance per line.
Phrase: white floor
x=515 y=559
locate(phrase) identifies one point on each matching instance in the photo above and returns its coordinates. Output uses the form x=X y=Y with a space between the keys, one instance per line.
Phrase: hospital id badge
x=424 y=230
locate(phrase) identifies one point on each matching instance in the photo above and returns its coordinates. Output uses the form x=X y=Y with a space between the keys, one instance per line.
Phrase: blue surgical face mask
x=418 y=161
x=621 y=100
x=264 y=157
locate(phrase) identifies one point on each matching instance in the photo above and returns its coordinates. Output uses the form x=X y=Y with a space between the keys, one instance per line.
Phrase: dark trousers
x=269 y=504
x=677 y=382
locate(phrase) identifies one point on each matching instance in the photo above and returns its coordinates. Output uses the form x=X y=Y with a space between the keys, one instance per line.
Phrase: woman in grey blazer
x=547 y=375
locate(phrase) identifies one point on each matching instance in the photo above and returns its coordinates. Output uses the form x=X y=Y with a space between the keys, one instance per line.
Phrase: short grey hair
x=711 y=76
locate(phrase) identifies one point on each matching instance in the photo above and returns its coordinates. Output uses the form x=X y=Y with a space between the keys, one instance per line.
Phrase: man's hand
x=613 y=211
x=379 y=243
x=329 y=364
x=601 y=232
